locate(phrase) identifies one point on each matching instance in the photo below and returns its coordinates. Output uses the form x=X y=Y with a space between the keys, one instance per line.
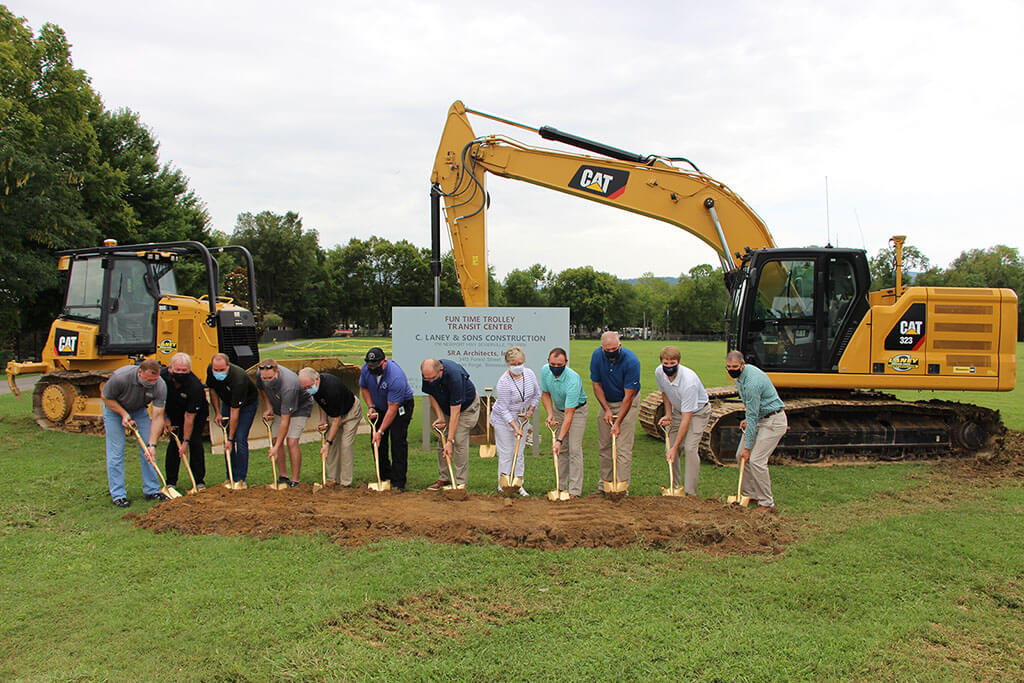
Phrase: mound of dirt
x=353 y=517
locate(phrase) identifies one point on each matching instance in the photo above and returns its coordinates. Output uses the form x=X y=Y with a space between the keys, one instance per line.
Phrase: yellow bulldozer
x=121 y=305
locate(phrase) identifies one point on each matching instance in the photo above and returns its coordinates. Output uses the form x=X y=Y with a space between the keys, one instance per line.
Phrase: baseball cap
x=375 y=355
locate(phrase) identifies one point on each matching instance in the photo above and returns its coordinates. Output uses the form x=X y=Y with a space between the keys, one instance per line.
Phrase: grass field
x=905 y=571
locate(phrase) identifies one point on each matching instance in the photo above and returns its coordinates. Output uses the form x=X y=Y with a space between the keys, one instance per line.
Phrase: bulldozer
x=121 y=305
x=806 y=316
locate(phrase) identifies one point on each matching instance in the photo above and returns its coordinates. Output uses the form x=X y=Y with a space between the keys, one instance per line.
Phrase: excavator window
x=782 y=325
x=840 y=289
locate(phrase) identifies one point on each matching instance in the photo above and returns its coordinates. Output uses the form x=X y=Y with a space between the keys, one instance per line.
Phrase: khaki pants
x=460 y=449
x=691 y=446
x=623 y=442
x=756 y=482
x=570 y=458
x=341 y=453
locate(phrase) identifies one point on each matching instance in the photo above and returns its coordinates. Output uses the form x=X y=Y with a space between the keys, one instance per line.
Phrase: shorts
x=295 y=427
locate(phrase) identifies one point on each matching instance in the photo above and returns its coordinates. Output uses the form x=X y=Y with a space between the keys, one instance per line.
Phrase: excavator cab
x=795 y=310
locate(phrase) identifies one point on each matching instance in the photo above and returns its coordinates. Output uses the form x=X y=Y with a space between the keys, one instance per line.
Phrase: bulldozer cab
x=795 y=310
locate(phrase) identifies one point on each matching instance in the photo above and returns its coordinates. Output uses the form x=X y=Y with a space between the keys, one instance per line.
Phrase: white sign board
x=475 y=338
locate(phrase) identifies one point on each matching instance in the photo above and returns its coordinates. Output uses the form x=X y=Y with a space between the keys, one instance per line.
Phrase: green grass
x=884 y=579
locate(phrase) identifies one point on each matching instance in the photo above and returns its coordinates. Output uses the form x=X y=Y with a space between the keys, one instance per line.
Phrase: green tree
x=883 y=266
x=526 y=287
x=590 y=295
x=653 y=296
x=699 y=302
x=289 y=271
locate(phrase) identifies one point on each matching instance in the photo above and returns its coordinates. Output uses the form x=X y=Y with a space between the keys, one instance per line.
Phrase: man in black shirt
x=235 y=398
x=186 y=412
x=339 y=406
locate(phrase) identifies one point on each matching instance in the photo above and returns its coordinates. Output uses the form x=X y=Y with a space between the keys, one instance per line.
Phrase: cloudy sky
x=334 y=110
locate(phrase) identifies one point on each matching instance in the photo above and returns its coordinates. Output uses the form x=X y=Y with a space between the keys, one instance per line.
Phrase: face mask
x=556 y=370
x=516 y=369
x=220 y=375
x=612 y=355
x=178 y=377
x=734 y=373
x=312 y=389
x=379 y=370
x=670 y=370
x=148 y=385
x=430 y=383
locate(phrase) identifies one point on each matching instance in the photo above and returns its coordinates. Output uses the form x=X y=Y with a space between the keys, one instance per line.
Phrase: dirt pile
x=353 y=517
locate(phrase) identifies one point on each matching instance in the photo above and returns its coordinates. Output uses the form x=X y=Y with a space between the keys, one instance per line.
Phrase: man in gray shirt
x=125 y=396
x=290 y=406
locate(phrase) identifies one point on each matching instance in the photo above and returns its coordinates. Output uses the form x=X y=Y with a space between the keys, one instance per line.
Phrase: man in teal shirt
x=763 y=428
x=566 y=404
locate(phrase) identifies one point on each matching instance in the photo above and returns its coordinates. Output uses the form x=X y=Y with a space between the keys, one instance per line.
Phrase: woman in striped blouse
x=516 y=396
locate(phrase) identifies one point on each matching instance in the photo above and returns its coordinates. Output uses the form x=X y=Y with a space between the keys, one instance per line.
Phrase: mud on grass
x=354 y=517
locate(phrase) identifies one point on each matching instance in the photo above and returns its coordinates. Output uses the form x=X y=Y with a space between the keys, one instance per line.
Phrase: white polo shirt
x=685 y=391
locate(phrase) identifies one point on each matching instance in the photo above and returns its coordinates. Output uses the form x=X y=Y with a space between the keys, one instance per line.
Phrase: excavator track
x=70 y=401
x=846 y=426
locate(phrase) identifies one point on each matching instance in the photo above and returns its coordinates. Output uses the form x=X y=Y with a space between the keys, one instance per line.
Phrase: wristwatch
x=329 y=441
x=558 y=440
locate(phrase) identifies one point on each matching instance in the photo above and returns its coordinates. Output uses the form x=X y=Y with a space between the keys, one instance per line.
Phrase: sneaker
x=158 y=497
x=438 y=485
x=767 y=509
x=292 y=484
x=282 y=480
x=121 y=502
x=200 y=486
x=523 y=493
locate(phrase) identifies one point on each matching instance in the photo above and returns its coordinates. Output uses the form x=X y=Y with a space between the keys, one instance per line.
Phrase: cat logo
x=66 y=342
x=167 y=346
x=606 y=182
x=904 y=363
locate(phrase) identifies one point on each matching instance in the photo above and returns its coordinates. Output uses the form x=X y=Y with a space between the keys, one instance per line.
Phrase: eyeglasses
x=268 y=367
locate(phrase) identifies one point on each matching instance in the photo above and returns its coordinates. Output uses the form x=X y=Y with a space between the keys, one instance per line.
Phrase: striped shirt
x=514 y=396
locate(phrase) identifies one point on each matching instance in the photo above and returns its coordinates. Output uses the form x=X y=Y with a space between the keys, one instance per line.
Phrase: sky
x=910 y=110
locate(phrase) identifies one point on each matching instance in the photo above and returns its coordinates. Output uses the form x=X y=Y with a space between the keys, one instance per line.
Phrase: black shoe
x=122 y=502
x=292 y=484
x=158 y=497
x=282 y=480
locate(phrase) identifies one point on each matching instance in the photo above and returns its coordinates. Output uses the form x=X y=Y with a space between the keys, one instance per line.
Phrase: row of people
x=178 y=401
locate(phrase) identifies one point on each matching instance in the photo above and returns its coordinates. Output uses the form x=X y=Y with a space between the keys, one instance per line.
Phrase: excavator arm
x=650 y=186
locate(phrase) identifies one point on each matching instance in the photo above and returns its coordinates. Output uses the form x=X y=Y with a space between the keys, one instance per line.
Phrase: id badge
x=401 y=410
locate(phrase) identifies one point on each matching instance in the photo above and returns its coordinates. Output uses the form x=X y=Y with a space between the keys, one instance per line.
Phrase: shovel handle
x=558 y=484
x=739 y=484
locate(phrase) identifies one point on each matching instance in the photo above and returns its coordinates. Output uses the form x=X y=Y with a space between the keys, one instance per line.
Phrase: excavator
x=121 y=304
x=806 y=316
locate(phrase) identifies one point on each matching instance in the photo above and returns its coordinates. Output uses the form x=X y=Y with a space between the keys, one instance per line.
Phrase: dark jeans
x=398 y=434
x=196 y=456
x=240 y=446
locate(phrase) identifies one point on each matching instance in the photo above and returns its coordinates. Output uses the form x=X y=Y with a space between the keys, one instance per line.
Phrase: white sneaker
x=522 y=492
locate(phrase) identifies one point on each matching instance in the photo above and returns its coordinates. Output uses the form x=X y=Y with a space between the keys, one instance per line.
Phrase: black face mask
x=379 y=370
x=734 y=373
x=556 y=370
x=178 y=377
x=613 y=355
x=670 y=370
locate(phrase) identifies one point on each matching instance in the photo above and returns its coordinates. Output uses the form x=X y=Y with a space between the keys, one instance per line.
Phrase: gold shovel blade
x=277 y=487
x=488 y=450
x=171 y=492
x=383 y=486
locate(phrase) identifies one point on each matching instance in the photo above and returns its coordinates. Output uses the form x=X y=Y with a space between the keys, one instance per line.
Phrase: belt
x=581 y=405
x=774 y=412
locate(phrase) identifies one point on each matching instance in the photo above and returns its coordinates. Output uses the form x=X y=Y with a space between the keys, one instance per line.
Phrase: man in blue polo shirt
x=387 y=392
x=615 y=375
x=452 y=395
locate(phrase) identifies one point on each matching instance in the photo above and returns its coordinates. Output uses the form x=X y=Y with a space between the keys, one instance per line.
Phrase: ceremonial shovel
x=509 y=483
x=323 y=464
x=488 y=449
x=453 y=490
x=380 y=485
x=615 y=489
x=273 y=462
x=739 y=498
x=558 y=494
x=672 y=489
x=168 y=491
x=230 y=483
x=188 y=468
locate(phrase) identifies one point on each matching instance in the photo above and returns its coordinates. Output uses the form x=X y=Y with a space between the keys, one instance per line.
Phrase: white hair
x=181 y=357
x=309 y=373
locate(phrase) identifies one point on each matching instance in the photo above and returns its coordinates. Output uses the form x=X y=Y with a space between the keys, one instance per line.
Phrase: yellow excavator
x=121 y=304
x=806 y=316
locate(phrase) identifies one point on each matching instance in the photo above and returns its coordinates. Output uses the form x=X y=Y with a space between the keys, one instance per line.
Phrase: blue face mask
x=312 y=389
x=556 y=370
x=221 y=376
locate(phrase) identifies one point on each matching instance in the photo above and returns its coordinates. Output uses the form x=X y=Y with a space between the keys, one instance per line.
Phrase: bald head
x=431 y=369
